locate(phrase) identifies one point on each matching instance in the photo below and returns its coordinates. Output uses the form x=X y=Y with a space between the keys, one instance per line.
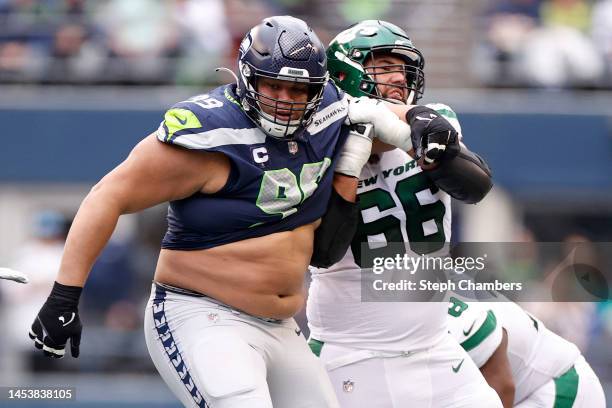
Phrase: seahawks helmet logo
x=246 y=43
x=309 y=46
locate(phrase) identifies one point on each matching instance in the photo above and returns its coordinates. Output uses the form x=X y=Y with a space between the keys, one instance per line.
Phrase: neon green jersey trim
x=179 y=119
x=231 y=98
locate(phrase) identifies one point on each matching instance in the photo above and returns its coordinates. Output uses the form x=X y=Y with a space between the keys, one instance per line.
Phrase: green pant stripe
x=566 y=388
x=315 y=346
x=487 y=327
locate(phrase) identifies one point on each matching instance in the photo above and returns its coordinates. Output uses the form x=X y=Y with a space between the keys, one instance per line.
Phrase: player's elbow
x=477 y=189
x=106 y=197
x=466 y=177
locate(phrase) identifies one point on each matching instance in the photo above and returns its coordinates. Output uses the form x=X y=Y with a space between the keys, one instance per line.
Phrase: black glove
x=433 y=137
x=57 y=321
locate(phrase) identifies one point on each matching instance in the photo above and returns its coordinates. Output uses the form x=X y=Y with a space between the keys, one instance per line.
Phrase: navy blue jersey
x=274 y=185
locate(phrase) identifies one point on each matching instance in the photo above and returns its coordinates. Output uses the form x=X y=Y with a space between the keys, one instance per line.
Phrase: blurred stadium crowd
x=550 y=43
x=539 y=43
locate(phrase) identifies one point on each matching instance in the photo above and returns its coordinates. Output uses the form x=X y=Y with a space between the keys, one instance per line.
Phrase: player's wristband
x=64 y=296
x=356 y=150
x=419 y=110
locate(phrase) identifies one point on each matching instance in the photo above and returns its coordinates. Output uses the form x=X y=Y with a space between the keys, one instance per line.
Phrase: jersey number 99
x=281 y=191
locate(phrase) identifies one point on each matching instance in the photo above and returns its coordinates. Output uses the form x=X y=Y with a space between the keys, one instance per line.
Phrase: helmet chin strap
x=411 y=97
x=272 y=127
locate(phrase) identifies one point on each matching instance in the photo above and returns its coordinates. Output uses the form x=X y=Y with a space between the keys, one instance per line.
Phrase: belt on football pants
x=354 y=356
x=187 y=292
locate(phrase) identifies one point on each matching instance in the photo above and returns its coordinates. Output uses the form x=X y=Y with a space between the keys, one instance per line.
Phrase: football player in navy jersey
x=260 y=177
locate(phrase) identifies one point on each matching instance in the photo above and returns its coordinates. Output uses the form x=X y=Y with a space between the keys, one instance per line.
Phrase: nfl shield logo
x=348 y=385
x=293 y=147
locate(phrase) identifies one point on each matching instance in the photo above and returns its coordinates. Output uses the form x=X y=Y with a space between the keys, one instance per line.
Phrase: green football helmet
x=348 y=53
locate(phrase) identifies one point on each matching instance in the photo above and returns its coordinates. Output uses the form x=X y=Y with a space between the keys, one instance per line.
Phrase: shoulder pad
x=206 y=122
x=333 y=108
x=448 y=113
x=337 y=89
x=331 y=95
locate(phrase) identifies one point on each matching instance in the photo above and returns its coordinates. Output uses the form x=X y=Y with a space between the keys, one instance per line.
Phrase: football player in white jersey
x=526 y=363
x=392 y=354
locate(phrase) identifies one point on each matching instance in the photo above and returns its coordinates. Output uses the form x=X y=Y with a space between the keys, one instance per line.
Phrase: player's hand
x=388 y=127
x=434 y=138
x=58 y=321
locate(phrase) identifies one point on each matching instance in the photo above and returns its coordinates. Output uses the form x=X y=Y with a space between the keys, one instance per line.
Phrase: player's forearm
x=399 y=110
x=466 y=177
x=338 y=225
x=505 y=390
x=379 y=146
x=498 y=373
x=346 y=187
x=90 y=231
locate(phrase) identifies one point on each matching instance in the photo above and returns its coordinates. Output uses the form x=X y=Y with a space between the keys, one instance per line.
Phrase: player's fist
x=388 y=127
x=58 y=321
x=434 y=138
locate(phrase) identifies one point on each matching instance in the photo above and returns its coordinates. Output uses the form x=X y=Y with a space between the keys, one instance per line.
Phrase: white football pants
x=210 y=355
x=579 y=387
x=440 y=376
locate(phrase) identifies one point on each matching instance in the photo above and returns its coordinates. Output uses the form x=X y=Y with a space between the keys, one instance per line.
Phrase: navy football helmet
x=282 y=48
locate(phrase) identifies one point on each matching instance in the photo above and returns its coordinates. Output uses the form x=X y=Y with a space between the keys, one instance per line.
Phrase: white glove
x=356 y=150
x=387 y=126
x=10 y=274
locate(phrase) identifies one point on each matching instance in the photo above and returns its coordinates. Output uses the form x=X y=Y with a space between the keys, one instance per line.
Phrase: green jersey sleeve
x=475 y=328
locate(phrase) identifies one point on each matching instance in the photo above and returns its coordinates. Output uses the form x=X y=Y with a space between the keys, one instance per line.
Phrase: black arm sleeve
x=466 y=177
x=334 y=235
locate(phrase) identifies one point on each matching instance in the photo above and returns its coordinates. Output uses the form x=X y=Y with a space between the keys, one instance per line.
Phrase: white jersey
x=536 y=354
x=399 y=203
